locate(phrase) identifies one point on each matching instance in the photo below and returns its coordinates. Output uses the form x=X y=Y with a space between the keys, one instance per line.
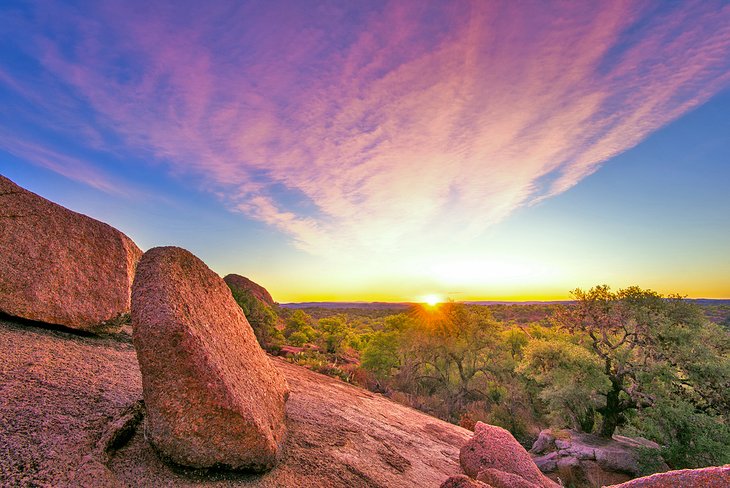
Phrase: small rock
x=580 y=451
x=494 y=447
x=562 y=443
x=500 y=479
x=548 y=462
x=545 y=442
x=621 y=460
x=212 y=396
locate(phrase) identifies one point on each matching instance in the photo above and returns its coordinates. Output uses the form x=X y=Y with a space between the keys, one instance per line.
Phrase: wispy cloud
x=71 y=167
x=366 y=127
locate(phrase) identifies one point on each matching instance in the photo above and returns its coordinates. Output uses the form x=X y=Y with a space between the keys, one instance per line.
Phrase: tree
x=646 y=342
x=569 y=376
x=296 y=322
x=333 y=332
x=516 y=339
x=456 y=354
x=262 y=318
x=381 y=354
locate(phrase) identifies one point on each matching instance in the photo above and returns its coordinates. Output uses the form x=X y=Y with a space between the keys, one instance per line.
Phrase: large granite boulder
x=59 y=266
x=242 y=283
x=213 y=397
x=714 y=477
x=494 y=447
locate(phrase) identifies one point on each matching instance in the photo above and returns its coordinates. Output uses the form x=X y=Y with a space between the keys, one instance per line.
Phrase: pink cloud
x=73 y=168
x=401 y=126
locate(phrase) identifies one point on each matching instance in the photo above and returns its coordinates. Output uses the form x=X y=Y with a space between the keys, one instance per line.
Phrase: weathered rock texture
x=61 y=393
x=59 y=266
x=586 y=460
x=243 y=283
x=212 y=396
x=494 y=447
x=715 y=477
x=58 y=393
x=463 y=481
x=499 y=479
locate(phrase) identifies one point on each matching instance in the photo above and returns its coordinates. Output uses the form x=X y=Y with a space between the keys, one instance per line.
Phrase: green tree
x=647 y=343
x=296 y=322
x=263 y=319
x=570 y=378
x=456 y=354
x=516 y=339
x=297 y=338
x=333 y=334
x=381 y=355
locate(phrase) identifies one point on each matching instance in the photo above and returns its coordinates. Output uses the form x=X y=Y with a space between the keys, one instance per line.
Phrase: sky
x=385 y=151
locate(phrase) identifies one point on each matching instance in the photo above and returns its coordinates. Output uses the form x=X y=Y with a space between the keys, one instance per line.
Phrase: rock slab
x=463 y=481
x=589 y=460
x=213 y=397
x=243 y=283
x=59 y=266
x=499 y=479
x=494 y=447
x=714 y=477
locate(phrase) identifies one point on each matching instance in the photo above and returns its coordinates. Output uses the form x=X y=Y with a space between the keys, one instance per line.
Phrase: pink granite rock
x=494 y=447
x=500 y=479
x=213 y=397
x=59 y=266
x=242 y=283
x=462 y=481
x=714 y=477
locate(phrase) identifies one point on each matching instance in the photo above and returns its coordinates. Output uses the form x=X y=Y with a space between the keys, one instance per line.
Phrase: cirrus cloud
x=366 y=126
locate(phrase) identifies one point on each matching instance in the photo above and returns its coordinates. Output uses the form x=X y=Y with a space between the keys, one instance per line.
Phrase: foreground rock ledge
x=712 y=477
x=212 y=396
x=493 y=450
x=61 y=267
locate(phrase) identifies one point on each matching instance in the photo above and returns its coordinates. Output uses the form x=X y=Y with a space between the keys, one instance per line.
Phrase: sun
x=431 y=300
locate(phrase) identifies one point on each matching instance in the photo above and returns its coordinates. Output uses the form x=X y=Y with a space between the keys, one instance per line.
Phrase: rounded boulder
x=61 y=267
x=213 y=397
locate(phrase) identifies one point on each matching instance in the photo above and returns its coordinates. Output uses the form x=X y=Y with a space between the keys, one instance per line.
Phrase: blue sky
x=386 y=151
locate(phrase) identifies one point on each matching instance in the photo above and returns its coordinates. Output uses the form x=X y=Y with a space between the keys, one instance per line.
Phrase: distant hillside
x=349 y=305
x=717 y=310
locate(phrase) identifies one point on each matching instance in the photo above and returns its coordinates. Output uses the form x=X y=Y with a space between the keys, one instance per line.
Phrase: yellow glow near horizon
x=432 y=300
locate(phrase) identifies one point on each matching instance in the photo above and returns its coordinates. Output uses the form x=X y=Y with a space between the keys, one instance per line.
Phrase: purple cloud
x=395 y=122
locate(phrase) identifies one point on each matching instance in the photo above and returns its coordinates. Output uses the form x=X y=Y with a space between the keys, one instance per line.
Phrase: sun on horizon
x=432 y=299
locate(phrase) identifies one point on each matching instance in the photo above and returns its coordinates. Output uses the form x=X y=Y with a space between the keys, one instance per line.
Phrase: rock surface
x=59 y=266
x=463 y=481
x=494 y=447
x=212 y=396
x=715 y=477
x=499 y=479
x=587 y=460
x=547 y=463
x=59 y=392
x=243 y=283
